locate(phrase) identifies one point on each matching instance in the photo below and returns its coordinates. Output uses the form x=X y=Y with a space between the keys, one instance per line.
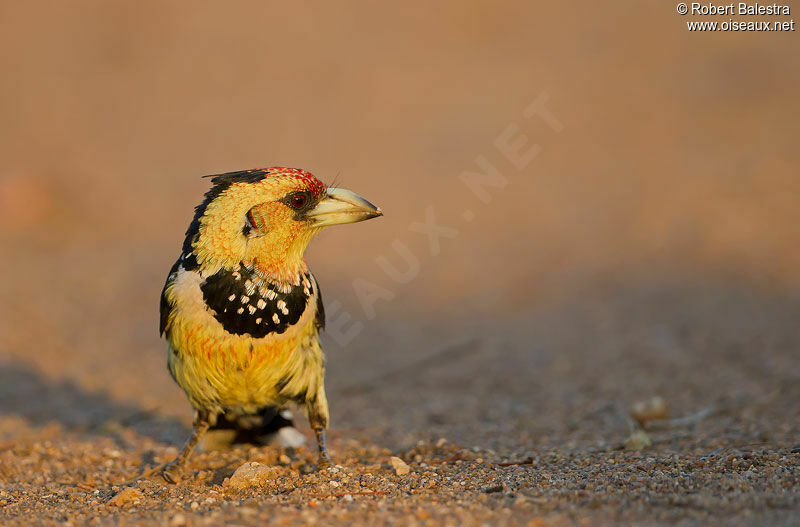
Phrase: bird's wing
x=166 y=306
x=320 y=320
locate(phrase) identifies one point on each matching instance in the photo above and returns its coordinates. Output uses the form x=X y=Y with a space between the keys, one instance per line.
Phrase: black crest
x=245 y=304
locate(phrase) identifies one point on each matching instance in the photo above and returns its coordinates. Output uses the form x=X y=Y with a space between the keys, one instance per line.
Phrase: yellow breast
x=219 y=370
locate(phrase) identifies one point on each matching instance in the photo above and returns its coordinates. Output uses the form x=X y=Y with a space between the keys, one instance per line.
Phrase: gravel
x=477 y=432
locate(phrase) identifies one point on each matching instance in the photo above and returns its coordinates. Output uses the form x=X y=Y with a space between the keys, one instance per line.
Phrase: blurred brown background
x=650 y=248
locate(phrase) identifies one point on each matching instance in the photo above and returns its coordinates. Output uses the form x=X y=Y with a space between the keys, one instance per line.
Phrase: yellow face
x=265 y=219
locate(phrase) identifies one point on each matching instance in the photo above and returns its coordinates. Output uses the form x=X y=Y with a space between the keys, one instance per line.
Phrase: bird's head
x=265 y=218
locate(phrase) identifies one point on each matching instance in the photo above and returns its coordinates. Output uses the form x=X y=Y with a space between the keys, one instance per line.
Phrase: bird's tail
x=269 y=426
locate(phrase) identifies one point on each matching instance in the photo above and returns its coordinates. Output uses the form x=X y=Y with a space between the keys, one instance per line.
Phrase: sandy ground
x=526 y=426
x=647 y=247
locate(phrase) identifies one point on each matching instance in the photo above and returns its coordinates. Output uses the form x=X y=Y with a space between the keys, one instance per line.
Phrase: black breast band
x=244 y=303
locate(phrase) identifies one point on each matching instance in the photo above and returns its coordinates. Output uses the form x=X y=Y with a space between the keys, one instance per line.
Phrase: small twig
x=528 y=461
x=689 y=419
x=343 y=494
x=683 y=421
x=456 y=457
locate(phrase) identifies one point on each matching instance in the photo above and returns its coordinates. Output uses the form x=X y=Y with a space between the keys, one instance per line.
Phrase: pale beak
x=341 y=206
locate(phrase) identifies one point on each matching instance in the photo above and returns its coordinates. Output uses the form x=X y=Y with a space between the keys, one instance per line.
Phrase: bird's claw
x=172 y=473
x=323 y=462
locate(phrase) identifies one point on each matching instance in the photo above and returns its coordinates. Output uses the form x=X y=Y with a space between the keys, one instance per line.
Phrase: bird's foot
x=172 y=472
x=324 y=461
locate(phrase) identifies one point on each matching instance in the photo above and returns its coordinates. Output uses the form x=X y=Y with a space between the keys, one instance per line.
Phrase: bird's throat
x=280 y=263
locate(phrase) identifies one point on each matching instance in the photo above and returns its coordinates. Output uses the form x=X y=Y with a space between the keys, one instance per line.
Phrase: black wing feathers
x=166 y=307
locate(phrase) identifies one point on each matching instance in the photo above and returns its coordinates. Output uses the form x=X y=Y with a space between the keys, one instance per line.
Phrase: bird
x=240 y=310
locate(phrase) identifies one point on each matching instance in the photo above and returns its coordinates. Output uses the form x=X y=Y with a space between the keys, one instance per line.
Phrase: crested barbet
x=240 y=309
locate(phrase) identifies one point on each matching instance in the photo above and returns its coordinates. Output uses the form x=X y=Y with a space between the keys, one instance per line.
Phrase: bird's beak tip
x=343 y=206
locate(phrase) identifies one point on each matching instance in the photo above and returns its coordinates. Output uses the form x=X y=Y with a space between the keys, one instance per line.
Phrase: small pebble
x=400 y=466
x=250 y=474
x=638 y=440
x=650 y=410
x=492 y=488
x=129 y=496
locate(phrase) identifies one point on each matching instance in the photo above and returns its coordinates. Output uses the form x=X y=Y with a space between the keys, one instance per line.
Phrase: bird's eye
x=299 y=200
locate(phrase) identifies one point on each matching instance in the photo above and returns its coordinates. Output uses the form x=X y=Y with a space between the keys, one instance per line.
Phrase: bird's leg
x=317 y=411
x=172 y=471
x=324 y=459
